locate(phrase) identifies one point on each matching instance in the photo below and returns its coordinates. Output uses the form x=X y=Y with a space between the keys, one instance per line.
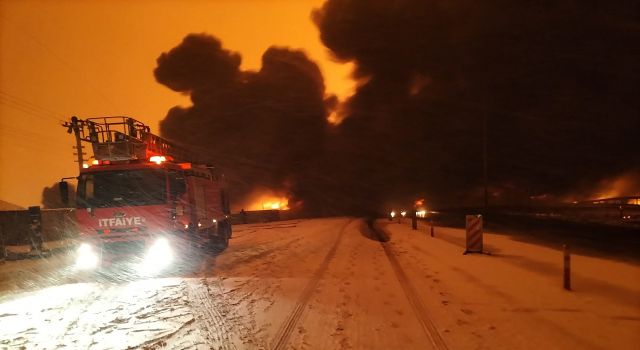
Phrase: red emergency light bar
x=158 y=159
x=153 y=159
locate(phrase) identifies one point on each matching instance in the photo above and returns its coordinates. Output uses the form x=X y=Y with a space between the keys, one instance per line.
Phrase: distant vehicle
x=143 y=196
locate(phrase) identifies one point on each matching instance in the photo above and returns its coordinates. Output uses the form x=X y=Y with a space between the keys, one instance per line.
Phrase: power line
x=23 y=109
x=22 y=102
x=28 y=110
x=10 y=131
x=86 y=82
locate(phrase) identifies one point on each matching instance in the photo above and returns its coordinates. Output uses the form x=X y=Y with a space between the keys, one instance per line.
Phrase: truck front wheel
x=220 y=241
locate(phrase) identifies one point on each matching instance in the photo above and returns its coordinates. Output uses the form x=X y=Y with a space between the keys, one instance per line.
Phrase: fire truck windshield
x=121 y=188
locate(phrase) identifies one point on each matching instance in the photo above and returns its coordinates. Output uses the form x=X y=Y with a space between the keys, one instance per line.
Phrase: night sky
x=555 y=81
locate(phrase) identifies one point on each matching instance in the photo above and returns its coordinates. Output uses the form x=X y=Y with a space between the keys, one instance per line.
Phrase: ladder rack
x=124 y=138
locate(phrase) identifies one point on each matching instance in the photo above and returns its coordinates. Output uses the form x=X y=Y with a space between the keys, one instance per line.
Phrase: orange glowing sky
x=95 y=58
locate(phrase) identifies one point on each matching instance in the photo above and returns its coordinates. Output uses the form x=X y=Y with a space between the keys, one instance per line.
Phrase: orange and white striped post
x=474 y=234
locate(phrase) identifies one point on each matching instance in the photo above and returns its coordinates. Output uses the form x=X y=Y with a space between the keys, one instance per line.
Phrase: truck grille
x=124 y=248
x=121 y=230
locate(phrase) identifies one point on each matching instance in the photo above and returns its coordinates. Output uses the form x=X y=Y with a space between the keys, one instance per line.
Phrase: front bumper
x=145 y=257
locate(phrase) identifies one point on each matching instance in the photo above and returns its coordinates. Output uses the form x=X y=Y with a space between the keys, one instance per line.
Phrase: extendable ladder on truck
x=124 y=138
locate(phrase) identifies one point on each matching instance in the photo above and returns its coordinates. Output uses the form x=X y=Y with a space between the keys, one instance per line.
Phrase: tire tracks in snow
x=213 y=323
x=284 y=333
x=246 y=258
x=428 y=326
x=214 y=310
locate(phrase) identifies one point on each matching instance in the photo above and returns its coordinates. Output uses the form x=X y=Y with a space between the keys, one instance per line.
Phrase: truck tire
x=220 y=241
x=225 y=234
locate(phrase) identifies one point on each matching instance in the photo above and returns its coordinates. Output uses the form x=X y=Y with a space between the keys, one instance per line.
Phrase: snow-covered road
x=331 y=284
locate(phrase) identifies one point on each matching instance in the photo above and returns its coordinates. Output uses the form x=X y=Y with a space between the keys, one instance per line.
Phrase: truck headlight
x=86 y=258
x=158 y=256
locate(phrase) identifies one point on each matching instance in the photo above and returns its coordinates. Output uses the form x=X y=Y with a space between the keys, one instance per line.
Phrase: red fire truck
x=143 y=197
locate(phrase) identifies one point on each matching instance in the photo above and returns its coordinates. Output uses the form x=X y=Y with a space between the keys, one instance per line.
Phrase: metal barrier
x=57 y=224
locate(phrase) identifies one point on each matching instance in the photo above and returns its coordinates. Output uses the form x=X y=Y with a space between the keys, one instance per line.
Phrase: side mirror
x=63 y=186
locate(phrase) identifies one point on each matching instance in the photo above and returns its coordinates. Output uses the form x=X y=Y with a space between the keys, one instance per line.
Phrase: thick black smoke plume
x=556 y=82
x=264 y=128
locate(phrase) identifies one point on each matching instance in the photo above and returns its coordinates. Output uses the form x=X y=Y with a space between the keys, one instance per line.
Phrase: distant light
x=95 y=162
x=157 y=159
x=85 y=166
x=421 y=213
x=199 y=225
x=393 y=214
x=403 y=213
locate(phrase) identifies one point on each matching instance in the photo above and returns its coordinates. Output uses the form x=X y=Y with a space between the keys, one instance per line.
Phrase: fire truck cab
x=144 y=197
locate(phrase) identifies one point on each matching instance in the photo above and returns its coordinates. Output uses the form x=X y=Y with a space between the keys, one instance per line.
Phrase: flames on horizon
x=265 y=199
x=626 y=184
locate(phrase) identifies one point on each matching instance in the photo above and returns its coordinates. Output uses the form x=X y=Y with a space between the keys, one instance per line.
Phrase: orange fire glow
x=277 y=204
x=626 y=184
x=267 y=200
x=338 y=114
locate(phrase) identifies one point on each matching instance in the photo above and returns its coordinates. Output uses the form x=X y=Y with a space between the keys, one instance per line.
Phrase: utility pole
x=484 y=159
x=75 y=128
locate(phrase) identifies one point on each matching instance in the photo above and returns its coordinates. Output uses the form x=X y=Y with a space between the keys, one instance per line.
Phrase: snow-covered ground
x=514 y=298
x=330 y=284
